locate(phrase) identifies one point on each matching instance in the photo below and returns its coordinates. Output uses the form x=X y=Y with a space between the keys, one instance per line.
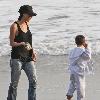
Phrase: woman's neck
x=22 y=21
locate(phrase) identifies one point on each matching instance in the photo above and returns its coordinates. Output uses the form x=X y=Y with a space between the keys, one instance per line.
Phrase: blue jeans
x=29 y=68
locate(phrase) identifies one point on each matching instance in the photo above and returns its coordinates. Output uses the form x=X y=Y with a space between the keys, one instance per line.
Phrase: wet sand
x=53 y=79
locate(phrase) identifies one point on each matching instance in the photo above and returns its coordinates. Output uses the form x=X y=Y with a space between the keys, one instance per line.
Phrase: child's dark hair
x=79 y=39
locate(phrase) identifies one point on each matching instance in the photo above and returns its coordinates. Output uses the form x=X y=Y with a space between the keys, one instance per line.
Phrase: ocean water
x=56 y=24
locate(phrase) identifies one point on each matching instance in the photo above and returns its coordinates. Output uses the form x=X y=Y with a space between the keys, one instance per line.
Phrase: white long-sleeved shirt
x=79 y=59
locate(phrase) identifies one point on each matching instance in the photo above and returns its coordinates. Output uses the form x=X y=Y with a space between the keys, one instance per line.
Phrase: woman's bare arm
x=13 y=32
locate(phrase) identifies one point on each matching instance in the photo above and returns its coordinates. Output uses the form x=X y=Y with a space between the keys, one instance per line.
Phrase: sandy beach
x=53 y=79
x=53 y=32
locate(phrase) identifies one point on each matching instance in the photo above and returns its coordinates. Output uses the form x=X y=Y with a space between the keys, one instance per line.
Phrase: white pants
x=77 y=82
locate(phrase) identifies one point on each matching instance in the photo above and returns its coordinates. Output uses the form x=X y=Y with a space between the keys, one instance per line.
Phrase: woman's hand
x=34 y=56
x=28 y=46
x=22 y=43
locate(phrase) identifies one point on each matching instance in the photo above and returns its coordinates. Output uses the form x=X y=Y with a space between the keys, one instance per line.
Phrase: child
x=78 y=64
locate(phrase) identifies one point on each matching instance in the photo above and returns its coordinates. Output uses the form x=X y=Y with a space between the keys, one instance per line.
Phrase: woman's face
x=27 y=17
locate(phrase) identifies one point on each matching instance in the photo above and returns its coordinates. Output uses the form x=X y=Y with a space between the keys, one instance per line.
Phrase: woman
x=22 y=55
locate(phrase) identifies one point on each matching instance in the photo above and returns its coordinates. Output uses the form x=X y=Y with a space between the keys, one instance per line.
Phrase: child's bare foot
x=69 y=97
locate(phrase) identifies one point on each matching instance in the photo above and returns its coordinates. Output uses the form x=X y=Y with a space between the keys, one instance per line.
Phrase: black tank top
x=20 y=52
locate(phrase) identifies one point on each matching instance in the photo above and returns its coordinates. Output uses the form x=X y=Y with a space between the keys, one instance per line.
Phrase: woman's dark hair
x=26 y=9
x=21 y=12
x=79 y=39
x=20 y=17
